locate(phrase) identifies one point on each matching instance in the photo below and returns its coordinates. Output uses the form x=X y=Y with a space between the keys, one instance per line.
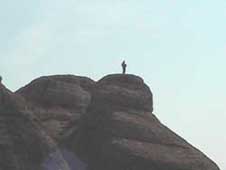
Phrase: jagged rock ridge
x=73 y=122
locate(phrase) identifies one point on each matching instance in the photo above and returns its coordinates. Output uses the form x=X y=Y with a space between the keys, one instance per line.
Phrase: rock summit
x=70 y=122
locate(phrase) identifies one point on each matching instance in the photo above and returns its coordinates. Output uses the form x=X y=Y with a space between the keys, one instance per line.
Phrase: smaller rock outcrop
x=58 y=101
x=123 y=91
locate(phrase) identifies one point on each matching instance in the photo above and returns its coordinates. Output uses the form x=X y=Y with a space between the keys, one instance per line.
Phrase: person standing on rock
x=124 y=65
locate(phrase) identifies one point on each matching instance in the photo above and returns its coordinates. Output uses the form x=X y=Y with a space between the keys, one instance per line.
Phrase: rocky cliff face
x=68 y=122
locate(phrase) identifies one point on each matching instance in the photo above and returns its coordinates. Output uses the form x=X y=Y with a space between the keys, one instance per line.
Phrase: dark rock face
x=68 y=122
x=59 y=101
x=71 y=92
x=19 y=132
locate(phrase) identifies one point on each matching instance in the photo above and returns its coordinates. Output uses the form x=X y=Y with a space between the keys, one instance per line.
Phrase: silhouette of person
x=124 y=67
x=0 y=79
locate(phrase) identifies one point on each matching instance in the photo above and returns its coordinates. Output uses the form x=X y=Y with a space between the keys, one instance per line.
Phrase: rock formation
x=24 y=144
x=69 y=122
x=58 y=101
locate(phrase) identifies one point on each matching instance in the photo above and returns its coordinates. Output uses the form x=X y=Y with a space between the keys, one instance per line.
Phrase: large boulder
x=119 y=132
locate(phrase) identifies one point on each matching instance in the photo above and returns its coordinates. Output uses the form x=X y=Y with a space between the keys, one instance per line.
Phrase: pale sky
x=177 y=46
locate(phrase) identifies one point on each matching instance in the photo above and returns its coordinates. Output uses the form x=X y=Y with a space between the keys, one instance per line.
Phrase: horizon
x=178 y=48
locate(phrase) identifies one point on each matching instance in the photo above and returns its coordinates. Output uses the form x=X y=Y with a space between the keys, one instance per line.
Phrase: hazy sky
x=177 y=46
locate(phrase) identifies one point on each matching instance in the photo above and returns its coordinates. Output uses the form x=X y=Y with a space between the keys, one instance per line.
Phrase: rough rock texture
x=59 y=101
x=120 y=132
x=24 y=144
x=108 y=124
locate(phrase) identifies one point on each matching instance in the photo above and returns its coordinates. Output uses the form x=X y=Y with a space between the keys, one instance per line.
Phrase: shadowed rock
x=59 y=101
x=24 y=144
